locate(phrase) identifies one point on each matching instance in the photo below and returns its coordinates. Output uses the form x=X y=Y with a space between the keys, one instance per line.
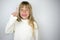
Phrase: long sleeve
x=36 y=31
x=10 y=25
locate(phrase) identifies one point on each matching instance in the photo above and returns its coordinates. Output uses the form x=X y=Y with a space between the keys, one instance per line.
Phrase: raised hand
x=15 y=13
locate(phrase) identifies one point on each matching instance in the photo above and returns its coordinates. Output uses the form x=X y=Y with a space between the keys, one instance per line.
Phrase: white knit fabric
x=22 y=30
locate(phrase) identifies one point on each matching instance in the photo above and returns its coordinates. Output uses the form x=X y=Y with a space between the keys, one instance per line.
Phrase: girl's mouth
x=24 y=14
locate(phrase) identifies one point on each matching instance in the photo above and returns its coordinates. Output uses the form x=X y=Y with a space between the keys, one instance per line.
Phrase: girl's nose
x=24 y=11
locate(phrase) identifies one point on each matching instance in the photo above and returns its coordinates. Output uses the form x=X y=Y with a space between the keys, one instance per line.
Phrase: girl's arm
x=10 y=24
x=36 y=31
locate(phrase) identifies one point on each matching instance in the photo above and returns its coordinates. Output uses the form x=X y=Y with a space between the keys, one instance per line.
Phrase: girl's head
x=25 y=12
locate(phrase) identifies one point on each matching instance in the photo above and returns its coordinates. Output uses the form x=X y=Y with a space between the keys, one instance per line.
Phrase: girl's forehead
x=24 y=6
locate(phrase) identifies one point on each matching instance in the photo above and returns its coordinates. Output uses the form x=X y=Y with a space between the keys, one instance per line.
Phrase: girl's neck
x=24 y=20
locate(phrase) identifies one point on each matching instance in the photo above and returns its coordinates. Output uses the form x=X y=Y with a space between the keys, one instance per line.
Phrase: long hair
x=30 y=18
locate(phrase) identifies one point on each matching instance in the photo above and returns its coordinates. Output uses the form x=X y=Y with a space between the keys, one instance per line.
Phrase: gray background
x=46 y=13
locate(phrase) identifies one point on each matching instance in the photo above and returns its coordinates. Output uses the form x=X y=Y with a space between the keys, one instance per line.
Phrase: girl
x=23 y=24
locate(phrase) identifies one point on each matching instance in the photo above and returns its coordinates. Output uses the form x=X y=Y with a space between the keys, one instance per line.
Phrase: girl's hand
x=15 y=13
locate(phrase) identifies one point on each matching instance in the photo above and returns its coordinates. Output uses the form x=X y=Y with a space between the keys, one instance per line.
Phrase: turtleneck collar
x=24 y=20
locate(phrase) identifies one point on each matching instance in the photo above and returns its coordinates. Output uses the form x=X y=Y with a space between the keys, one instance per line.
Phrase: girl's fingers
x=15 y=13
x=17 y=9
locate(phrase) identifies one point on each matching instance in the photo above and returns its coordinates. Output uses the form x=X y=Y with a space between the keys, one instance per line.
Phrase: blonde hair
x=31 y=19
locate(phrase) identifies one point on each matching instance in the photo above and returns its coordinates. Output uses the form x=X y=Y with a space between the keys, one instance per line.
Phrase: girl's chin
x=24 y=17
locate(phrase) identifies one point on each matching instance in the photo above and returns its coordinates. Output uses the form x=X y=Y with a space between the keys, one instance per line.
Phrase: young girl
x=23 y=24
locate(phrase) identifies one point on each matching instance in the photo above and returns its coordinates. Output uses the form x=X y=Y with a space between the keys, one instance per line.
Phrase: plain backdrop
x=45 y=12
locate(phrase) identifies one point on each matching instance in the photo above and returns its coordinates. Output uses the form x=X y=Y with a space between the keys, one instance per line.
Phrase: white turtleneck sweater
x=22 y=30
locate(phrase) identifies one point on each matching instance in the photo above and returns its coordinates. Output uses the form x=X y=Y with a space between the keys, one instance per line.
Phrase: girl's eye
x=21 y=9
x=27 y=10
x=24 y=10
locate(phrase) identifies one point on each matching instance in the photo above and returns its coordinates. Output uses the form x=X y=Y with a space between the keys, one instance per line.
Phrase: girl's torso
x=23 y=31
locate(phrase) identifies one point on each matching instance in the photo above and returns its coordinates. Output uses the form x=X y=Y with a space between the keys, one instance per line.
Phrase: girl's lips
x=24 y=14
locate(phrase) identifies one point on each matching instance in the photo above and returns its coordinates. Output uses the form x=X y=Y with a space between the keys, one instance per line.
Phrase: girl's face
x=24 y=12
